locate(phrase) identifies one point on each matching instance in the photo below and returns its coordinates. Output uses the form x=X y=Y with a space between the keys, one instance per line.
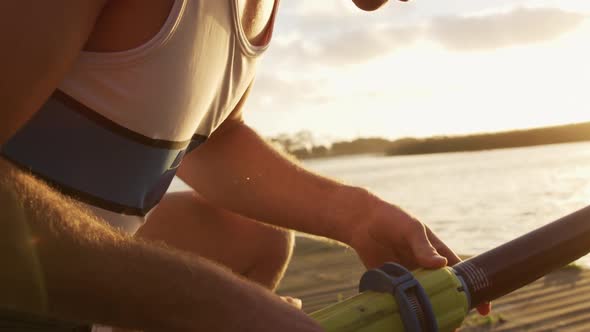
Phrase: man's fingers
x=295 y=302
x=484 y=309
x=408 y=239
x=373 y=256
x=442 y=248
x=423 y=250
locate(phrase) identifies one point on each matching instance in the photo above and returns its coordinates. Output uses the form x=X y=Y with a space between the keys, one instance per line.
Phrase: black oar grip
x=523 y=260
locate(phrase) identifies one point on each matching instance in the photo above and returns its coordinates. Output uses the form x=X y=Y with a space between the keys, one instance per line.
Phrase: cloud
x=354 y=46
x=361 y=45
x=297 y=91
x=347 y=41
x=517 y=27
x=304 y=61
x=313 y=8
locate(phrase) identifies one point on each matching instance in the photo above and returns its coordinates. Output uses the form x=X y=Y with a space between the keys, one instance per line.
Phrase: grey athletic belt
x=99 y=162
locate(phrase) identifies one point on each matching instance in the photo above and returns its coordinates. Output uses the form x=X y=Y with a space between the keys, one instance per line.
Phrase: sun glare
x=436 y=91
x=428 y=85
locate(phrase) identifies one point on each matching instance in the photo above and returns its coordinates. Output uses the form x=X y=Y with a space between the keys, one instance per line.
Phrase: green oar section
x=378 y=312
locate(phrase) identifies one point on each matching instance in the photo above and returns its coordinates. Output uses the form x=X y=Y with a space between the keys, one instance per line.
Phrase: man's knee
x=274 y=253
x=279 y=245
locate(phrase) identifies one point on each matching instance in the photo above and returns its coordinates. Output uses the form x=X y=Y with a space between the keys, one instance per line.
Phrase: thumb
x=295 y=302
x=425 y=253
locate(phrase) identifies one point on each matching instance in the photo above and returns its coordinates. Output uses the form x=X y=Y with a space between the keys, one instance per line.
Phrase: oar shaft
x=521 y=261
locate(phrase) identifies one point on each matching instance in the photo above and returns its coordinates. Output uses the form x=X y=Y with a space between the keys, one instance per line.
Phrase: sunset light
x=421 y=69
x=295 y=165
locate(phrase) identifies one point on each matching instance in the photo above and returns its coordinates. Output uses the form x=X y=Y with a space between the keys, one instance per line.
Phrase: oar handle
x=523 y=260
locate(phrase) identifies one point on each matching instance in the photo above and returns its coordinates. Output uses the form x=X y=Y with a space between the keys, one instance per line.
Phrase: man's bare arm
x=238 y=170
x=61 y=262
x=40 y=40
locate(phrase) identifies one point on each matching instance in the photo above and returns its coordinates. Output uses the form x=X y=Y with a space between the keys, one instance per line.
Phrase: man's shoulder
x=127 y=24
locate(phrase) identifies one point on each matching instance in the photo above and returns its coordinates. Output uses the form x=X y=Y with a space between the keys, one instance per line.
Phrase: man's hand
x=388 y=234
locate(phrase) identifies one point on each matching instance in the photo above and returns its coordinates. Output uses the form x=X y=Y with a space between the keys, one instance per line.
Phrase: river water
x=475 y=200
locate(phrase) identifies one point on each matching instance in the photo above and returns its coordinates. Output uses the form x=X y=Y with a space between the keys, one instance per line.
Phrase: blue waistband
x=95 y=160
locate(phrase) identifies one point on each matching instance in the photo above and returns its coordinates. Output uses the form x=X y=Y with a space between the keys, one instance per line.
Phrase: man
x=102 y=100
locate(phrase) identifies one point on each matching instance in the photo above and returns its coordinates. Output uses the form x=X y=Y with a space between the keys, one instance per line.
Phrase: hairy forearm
x=61 y=262
x=237 y=169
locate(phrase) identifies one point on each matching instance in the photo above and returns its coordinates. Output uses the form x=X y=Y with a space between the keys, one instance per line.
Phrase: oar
x=393 y=299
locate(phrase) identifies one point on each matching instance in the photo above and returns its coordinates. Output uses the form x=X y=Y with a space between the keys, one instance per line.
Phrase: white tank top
x=186 y=80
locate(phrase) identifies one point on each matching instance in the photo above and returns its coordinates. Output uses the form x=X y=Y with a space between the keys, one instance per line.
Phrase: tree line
x=303 y=146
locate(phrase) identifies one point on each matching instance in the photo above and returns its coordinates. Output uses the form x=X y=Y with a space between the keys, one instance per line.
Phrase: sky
x=423 y=68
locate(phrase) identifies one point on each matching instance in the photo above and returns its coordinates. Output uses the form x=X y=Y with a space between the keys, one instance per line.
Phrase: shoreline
x=306 y=148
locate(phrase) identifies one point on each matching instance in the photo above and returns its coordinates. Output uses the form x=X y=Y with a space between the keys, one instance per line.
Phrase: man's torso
x=198 y=101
